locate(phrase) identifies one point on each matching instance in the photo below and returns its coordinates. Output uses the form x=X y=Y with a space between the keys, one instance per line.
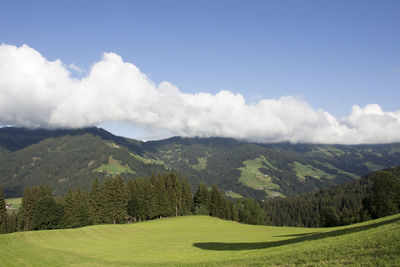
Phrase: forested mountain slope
x=72 y=158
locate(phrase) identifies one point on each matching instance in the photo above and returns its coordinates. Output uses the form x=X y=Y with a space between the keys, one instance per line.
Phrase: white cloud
x=35 y=92
x=75 y=68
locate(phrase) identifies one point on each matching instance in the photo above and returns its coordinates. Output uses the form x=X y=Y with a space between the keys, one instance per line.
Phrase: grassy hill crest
x=205 y=241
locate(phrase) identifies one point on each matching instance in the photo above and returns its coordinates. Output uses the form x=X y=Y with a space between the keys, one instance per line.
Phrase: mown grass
x=394 y=150
x=252 y=177
x=15 y=202
x=307 y=170
x=372 y=166
x=205 y=241
x=339 y=171
x=233 y=194
x=202 y=163
x=147 y=160
x=114 y=167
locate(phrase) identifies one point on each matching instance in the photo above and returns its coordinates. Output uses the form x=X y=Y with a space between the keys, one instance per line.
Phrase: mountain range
x=73 y=158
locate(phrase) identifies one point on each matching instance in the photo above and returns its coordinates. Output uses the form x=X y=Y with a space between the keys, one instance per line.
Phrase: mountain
x=72 y=158
x=67 y=158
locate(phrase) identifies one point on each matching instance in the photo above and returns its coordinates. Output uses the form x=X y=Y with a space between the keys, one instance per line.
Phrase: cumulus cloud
x=75 y=68
x=36 y=92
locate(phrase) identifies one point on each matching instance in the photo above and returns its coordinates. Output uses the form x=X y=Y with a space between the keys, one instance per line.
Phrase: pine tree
x=3 y=214
x=29 y=204
x=201 y=200
x=186 y=197
x=69 y=219
x=385 y=195
x=114 y=200
x=26 y=211
x=48 y=214
x=120 y=202
x=96 y=201
x=161 y=201
x=216 y=205
x=81 y=208
x=12 y=222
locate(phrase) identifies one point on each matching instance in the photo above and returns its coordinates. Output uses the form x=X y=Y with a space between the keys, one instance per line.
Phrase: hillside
x=64 y=159
x=72 y=158
x=205 y=241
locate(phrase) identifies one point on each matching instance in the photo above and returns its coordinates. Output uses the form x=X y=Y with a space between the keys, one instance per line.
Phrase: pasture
x=205 y=241
x=15 y=203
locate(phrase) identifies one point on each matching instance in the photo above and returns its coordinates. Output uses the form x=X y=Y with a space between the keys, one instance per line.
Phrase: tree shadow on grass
x=308 y=237
x=304 y=234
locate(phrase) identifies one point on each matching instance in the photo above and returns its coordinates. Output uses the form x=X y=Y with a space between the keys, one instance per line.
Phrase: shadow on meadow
x=303 y=237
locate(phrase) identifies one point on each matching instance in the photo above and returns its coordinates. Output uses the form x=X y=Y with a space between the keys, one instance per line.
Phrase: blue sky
x=331 y=54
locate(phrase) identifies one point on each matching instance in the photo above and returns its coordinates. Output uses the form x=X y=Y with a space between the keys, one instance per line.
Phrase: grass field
x=15 y=202
x=205 y=241
x=147 y=160
x=201 y=165
x=372 y=166
x=114 y=167
x=254 y=178
x=233 y=194
x=307 y=170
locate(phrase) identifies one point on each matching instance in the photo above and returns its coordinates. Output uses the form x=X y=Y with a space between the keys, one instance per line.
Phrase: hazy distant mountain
x=72 y=158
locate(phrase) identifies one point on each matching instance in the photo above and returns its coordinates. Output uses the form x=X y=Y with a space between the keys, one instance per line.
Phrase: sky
x=262 y=71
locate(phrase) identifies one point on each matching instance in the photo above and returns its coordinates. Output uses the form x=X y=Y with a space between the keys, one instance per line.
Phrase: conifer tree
x=96 y=201
x=29 y=203
x=27 y=209
x=120 y=201
x=48 y=214
x=69 y=219
x=82 y=207
x=186 y=197
x=114 y=200
x=3 y=214
x=216 y=203
x=201 y=200
x=161 y=201
x=385 y=197
x=12 y=222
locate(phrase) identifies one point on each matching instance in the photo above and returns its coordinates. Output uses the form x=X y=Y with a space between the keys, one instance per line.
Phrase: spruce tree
x=48 y=214
x=120 y=201
x=3 y=214
x=186 y=197
x=69 y=219
x=96 y=201
x=12 y=222
x=201 y=200
x=26 y=211
x=81 y=208
x=385 y=197
x=215 y=202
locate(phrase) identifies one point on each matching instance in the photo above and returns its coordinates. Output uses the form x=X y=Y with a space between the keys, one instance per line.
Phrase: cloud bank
x=36 y=92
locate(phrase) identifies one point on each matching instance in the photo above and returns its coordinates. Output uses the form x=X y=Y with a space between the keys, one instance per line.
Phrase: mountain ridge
x=72 y=158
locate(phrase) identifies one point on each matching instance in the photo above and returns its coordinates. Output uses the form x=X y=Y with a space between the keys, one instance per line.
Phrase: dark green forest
x=373 y=196
x=115 y=201
x=66 y=159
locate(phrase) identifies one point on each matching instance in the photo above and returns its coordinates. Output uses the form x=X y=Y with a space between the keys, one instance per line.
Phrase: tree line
x=373 y=196
x=115 y=201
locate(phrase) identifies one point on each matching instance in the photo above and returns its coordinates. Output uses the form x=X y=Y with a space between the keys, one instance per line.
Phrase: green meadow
x=15 y=203
x=205 y=241
x=252 y=177
x=114 y=167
